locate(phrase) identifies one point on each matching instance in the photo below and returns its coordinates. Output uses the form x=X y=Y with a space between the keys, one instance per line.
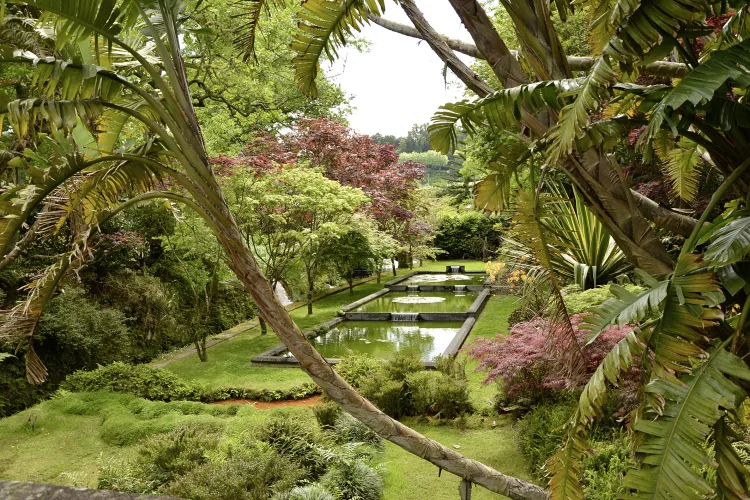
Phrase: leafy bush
x=387 y=394
x=310 y=492
x=76 y=333
x=470 y=235
x=296 y=441
x=247 y=472
x=540 y=432
x=401 y=386
x=350 y=480
x=356 y=368
x=577 y=301
x=401 y=365
x=348 y=429
x=326 y=414
x=139 y=380
x=527 y=370
x=160 y=460
x=150 y=308
x=605 y=467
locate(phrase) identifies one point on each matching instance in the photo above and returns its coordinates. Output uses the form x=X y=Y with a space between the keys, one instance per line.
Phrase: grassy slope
x=74 y=433
x=408 y=476
x=229 y=365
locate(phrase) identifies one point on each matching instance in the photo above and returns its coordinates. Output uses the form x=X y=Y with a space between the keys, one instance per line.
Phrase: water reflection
x=420 y=302
x=446 y=279
x=382 y=339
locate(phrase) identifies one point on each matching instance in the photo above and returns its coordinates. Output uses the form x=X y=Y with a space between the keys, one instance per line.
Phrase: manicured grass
x=493 y=320
x=74 y=433
x=408 y=476
x=229 y=364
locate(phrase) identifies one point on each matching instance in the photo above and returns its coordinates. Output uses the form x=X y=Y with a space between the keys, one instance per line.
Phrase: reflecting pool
x=426 y=302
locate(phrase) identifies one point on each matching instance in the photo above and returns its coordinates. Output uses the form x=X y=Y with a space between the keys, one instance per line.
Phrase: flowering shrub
x=526 y=369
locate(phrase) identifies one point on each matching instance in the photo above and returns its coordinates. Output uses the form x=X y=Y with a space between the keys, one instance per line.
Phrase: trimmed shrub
x=437 y=394
x=162 y=385
x=140 y=380
x=349 y=480
x=469 y=235
x=326 y=413
x=577 y=302
x=402 y=364
x=356 y=368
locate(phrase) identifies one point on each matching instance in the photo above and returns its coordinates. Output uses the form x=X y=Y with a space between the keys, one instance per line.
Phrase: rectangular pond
x=438 y=279
x=426 y=302
x=381 y=339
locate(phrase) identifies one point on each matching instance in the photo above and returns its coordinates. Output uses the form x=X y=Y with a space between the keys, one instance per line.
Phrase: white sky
x=399 y=82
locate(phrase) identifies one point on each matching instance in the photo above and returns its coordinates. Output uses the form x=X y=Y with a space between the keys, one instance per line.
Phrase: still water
x=420 y=302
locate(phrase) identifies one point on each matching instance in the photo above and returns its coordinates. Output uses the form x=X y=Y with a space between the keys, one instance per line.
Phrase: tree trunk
x=351 y=286
x=310 y=290
x=200 y=348
x=393 y=265
x=263 y=326
x=244 y=266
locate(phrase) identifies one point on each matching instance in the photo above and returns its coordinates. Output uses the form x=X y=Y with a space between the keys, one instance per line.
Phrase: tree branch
x=659 y=68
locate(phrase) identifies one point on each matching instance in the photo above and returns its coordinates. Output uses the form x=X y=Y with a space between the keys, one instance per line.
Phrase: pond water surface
x=420 y=302
x=381 y=339
x=445 y=279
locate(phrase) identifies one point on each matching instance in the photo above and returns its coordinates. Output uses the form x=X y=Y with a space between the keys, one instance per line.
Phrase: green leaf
x=731 y=243
x=325 y=26
x=672 y=445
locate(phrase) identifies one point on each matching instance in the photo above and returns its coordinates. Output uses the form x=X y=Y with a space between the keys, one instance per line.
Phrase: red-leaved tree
x=527 y=370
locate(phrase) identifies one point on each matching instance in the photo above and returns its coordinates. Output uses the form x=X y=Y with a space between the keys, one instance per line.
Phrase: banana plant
x=116 y=100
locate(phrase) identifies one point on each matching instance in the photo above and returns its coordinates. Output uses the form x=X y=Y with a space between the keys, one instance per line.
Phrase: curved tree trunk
x=244 y=266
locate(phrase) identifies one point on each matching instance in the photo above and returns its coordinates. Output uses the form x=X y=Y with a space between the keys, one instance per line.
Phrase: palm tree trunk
x=244 y=266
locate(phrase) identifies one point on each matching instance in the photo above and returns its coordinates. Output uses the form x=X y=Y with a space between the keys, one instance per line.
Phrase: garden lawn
x=408 y=476
x=229 y=364
x=493 y=320
x=72 y=434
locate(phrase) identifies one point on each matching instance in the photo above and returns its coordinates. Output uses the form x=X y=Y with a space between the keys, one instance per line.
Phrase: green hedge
x=158 y=384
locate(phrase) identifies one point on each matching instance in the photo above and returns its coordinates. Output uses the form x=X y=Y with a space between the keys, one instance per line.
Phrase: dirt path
x=265 y=405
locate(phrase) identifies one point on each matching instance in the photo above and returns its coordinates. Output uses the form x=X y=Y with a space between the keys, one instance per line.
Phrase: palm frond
x=672 y=446
x=103 y=17
x=733 y=478
x=564 y=467
x=681 y=169
x=643 y=26
x=492 y=194
x=500 y=110
x=325 y=26
x=731 y=243
x=726 y=66
x=246 y=33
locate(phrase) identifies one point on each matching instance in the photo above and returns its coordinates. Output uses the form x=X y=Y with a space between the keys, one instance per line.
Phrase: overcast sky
x=399 y=81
